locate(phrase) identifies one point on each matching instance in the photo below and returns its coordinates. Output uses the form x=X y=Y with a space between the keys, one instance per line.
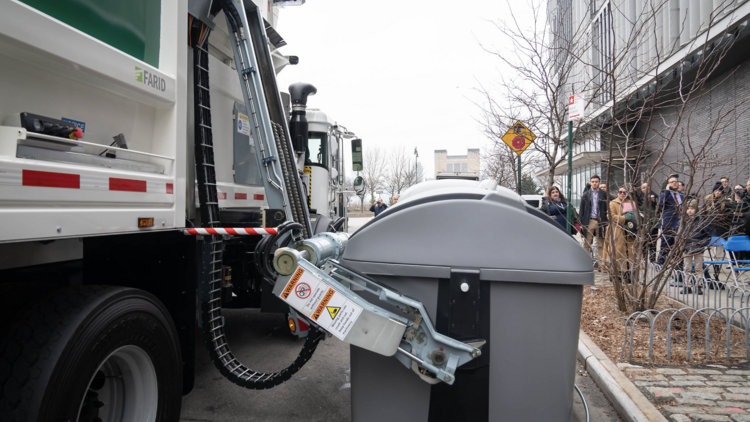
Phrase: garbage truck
x=139 y=143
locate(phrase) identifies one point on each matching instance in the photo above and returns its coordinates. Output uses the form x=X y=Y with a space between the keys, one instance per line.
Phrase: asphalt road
x=320 y=391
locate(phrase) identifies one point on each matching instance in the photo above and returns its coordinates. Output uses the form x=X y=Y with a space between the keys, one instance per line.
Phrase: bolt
x=163 y=223
x=59 y=229
x=447 y=378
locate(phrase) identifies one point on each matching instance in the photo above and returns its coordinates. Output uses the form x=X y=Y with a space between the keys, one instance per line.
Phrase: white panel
x=320 y=189
x=36 y=223
x=694 y=17
x=684 y=22
x=705 y=15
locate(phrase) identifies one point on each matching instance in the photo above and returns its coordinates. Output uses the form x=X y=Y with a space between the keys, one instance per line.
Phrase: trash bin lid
x=476 y=227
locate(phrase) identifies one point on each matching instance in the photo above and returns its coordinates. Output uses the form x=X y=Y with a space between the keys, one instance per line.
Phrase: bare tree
x=416 y=174
x=374 y=171
x=649 y=75
x=654 y=124
x=399 y=171
x=543 y=52
x=501 y=164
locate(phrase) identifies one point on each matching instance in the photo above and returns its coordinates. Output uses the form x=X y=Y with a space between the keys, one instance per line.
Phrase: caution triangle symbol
x=333 y=311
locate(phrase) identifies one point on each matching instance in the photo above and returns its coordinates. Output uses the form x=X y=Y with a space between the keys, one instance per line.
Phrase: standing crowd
x=609 y=224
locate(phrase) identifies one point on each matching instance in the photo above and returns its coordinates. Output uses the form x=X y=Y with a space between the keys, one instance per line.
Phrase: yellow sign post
x=518 y=138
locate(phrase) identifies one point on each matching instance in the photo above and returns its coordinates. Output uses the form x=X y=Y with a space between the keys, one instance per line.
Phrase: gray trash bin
x=523 y=278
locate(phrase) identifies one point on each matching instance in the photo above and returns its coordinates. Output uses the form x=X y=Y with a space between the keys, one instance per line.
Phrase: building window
x=449 y=168
x=601 y=30
x=465 y=167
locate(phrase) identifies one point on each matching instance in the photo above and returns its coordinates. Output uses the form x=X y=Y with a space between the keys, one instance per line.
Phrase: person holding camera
x=719 y=211
x=740 y=206
x=378 y=207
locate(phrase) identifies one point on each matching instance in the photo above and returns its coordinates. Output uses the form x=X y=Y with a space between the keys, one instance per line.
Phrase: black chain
x=213 y=321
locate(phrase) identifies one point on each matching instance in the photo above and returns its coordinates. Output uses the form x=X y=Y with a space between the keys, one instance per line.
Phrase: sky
x=397 y=73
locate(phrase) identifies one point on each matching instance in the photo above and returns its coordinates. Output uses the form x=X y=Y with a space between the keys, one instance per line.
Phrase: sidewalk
x=695 y=393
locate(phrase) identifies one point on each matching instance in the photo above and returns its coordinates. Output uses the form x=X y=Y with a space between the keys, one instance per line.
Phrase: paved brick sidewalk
x=697 y=394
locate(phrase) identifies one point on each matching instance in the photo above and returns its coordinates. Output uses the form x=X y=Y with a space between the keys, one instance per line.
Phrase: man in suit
x=670 y=202
x=593 y=217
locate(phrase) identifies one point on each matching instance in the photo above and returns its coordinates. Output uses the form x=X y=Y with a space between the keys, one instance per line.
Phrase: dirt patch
x=601 y=321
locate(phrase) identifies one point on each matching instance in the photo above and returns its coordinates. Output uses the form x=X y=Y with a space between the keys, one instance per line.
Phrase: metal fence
x=706 y=300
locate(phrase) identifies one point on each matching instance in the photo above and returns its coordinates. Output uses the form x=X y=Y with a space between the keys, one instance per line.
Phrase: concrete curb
x=628 y=401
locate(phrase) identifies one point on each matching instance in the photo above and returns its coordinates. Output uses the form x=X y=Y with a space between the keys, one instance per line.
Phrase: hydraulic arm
x=327 y=296
x=303 y=269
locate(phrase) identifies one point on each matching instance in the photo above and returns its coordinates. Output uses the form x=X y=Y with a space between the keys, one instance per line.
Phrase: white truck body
x=52 y=69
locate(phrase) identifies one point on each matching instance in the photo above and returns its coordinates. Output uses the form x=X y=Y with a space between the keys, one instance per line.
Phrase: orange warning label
x=289 y=287
x=323 y=304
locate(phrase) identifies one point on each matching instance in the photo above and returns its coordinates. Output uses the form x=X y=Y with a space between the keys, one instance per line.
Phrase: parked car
x=533 y=200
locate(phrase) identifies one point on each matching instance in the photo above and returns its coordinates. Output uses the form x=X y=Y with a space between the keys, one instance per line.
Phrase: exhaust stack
x=298 y=124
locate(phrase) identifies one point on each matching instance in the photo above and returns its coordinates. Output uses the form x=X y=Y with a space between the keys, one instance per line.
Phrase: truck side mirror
x=359 y=185
x=357 y=154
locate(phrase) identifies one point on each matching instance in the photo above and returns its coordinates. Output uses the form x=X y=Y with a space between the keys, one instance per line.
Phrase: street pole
x=416 y=161
x=570 y=177
x=519 y=175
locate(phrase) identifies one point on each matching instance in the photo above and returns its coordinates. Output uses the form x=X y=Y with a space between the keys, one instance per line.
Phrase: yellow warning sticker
x=323 y=303
x=333 y=310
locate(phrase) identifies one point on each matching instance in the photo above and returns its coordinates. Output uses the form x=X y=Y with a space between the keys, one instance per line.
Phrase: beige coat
x=624 y=245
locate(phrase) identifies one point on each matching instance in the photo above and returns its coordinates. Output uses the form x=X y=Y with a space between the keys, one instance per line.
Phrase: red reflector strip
x=127 y=185
x=302 y=325
x=48 y=179
x=51 y=180
x=258 y=197
x=240 y=196
x=222 y=195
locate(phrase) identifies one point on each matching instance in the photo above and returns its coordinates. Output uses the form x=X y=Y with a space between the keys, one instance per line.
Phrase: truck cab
x=323 y=167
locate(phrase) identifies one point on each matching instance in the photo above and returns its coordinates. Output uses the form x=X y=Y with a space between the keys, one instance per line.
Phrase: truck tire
x=89 y=354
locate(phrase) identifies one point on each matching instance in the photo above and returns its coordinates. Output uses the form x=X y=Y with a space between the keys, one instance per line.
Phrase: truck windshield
x=317 y=149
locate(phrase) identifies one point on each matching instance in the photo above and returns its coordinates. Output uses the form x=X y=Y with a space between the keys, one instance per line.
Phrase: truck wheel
x=90 y=354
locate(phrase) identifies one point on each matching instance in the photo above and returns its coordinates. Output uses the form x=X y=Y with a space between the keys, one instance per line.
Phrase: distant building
x=468 y=163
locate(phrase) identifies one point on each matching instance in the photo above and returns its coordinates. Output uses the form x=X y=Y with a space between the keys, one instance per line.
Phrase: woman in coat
x=619 y=245
x=555 y=205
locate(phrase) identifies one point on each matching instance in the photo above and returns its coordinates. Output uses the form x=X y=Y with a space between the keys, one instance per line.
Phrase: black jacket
x=584 y=213
x=698 y=234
